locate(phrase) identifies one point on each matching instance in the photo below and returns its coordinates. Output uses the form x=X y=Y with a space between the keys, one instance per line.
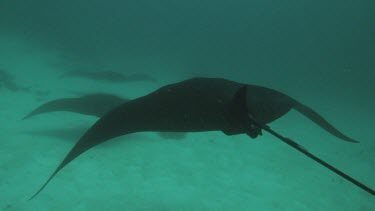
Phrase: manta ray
x=203 y=104
x=96 y=104
x=92 y=104
x=109 y=76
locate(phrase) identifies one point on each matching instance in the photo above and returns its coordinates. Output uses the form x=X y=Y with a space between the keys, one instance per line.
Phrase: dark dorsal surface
x=110 y=76
x=198 y=104
x=92 y=104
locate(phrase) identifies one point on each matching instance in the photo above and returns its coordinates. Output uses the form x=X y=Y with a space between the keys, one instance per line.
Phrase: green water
x=319 y=52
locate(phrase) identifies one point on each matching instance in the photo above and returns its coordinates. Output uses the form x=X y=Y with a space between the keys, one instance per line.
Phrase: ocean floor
x=203 y=171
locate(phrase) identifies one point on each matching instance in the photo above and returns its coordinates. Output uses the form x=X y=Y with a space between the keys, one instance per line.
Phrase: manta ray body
x=196 y=105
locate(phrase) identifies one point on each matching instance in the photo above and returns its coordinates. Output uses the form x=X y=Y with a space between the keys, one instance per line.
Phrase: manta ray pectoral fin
x=103 y=130
x=319 y=120
x=51 y=106
x=80 y=147
x=96 y=104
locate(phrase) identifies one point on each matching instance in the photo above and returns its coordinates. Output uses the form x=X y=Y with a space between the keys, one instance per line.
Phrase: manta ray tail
x=319 y=120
